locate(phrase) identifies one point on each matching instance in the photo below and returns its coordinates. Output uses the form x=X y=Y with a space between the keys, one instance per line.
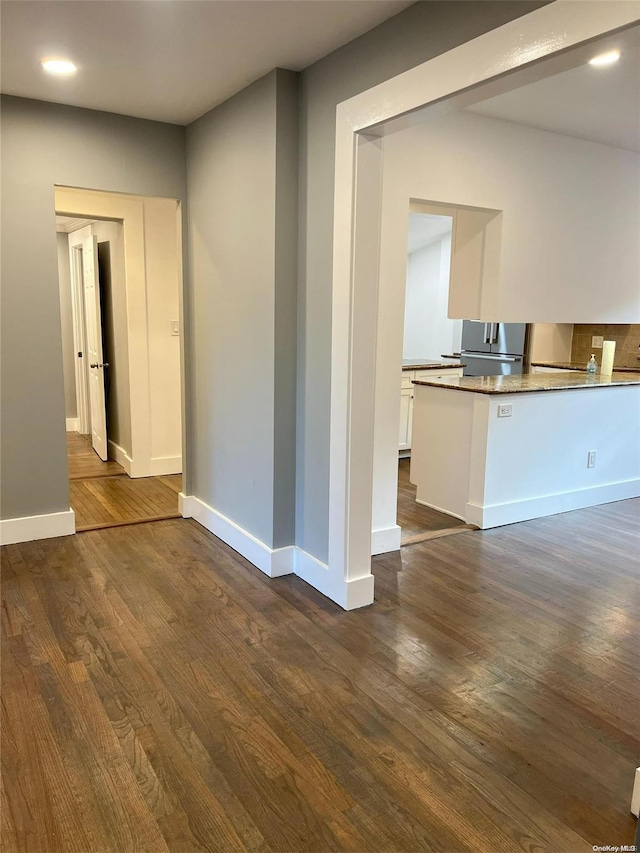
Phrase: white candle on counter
x=608 y=352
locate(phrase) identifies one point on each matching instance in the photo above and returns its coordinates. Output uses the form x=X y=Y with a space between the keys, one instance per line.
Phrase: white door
x=93 y=318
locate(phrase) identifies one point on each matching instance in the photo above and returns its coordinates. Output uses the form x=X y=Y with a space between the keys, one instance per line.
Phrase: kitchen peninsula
x=525 y=446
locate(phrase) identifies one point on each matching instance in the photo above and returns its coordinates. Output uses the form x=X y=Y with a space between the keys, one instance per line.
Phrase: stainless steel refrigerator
x=492 y=349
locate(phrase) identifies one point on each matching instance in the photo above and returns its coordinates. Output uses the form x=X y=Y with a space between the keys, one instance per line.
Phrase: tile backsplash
x=627 y=338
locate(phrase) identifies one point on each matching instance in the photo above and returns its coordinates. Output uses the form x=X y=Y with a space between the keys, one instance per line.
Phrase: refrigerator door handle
x=486 y=333
x=494 y=332
x=480 y=355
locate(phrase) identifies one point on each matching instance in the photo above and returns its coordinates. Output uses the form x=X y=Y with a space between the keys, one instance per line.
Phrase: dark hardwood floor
x=159 y=693
x=421 y=522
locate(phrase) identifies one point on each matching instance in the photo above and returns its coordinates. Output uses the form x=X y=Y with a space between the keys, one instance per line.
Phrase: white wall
x=163 y=262
x=551 y=341
x=571 y=212
x=428 y=332
x=66 y=319
x=569 y=250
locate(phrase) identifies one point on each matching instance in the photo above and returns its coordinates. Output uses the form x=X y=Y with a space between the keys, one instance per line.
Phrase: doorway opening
x=365 y=125
x=120 y=294
x=430 y=349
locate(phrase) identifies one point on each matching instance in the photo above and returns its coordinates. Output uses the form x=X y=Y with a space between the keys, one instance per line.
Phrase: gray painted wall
x=241 y=290
x=42 y=145
x=66 y=320
x=417 y=34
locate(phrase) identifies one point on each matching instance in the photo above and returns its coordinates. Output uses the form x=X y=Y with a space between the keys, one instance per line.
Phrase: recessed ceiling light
x=606 y=58
x=59 y=66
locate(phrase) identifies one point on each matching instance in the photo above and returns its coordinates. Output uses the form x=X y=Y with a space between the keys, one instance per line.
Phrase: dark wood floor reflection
x=161 y=694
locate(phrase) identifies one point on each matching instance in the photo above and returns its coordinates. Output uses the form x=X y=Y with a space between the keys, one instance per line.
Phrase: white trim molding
x=72 y=424
x=385 y=540
x=32 y=527
x=496 y=515
x=349 y=594
x=121 y=456
x=635 y=796
x=163 y=465
x=273 y=562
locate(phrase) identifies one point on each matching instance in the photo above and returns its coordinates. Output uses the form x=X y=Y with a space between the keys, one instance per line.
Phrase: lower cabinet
x=406 y=400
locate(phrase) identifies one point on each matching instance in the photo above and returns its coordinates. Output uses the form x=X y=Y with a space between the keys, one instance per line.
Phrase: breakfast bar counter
x=528 y=382
x=523 y=447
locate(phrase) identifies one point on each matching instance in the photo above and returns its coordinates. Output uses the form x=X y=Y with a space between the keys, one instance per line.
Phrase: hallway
x=102 y=495
x=161 y=694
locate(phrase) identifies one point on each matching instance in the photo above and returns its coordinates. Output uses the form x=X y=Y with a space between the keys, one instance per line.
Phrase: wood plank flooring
x=112 y=501
x=102 y=495
x=420 y=523
x=159 y=693
x=84 y=462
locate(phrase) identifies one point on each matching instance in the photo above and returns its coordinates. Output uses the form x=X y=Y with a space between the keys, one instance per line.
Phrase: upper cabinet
x=547 y=226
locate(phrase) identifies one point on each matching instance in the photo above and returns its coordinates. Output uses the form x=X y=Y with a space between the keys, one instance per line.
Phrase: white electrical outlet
x=596 y=341
x=591 y=459
x=505 y=411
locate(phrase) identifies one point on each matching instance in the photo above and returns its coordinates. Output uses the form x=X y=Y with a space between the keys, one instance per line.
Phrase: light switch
x=175 y=327
x=596 y=341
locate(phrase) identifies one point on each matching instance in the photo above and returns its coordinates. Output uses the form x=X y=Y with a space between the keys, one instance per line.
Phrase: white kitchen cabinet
x=406 y=401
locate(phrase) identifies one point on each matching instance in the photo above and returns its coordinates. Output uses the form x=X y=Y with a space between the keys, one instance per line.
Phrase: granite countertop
x=574 y=365
x=425 y=364
x=516 y=384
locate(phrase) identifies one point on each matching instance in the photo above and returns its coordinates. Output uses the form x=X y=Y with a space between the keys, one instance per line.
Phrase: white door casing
x=150 y=232
x=83 y=421
x=94 y=354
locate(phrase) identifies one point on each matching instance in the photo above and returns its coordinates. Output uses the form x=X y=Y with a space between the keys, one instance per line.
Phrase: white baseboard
x=635 y=796
x=273 y=562
x=32 y=527
x=439 y=509
x=279 y=561
x=350 y=594
x=385 y=540
x=121 y=456
x=162 y=465
x=509 y=513
x=72 y=424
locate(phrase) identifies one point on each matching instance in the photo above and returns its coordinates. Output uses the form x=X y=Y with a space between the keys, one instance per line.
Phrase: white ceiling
x=601 y=104
x=426 y=228
x=170 y=60
x=67 y=224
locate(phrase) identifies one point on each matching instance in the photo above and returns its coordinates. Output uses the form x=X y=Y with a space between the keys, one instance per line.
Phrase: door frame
x=129 y=210
x=79 y=336
x=561 y=34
